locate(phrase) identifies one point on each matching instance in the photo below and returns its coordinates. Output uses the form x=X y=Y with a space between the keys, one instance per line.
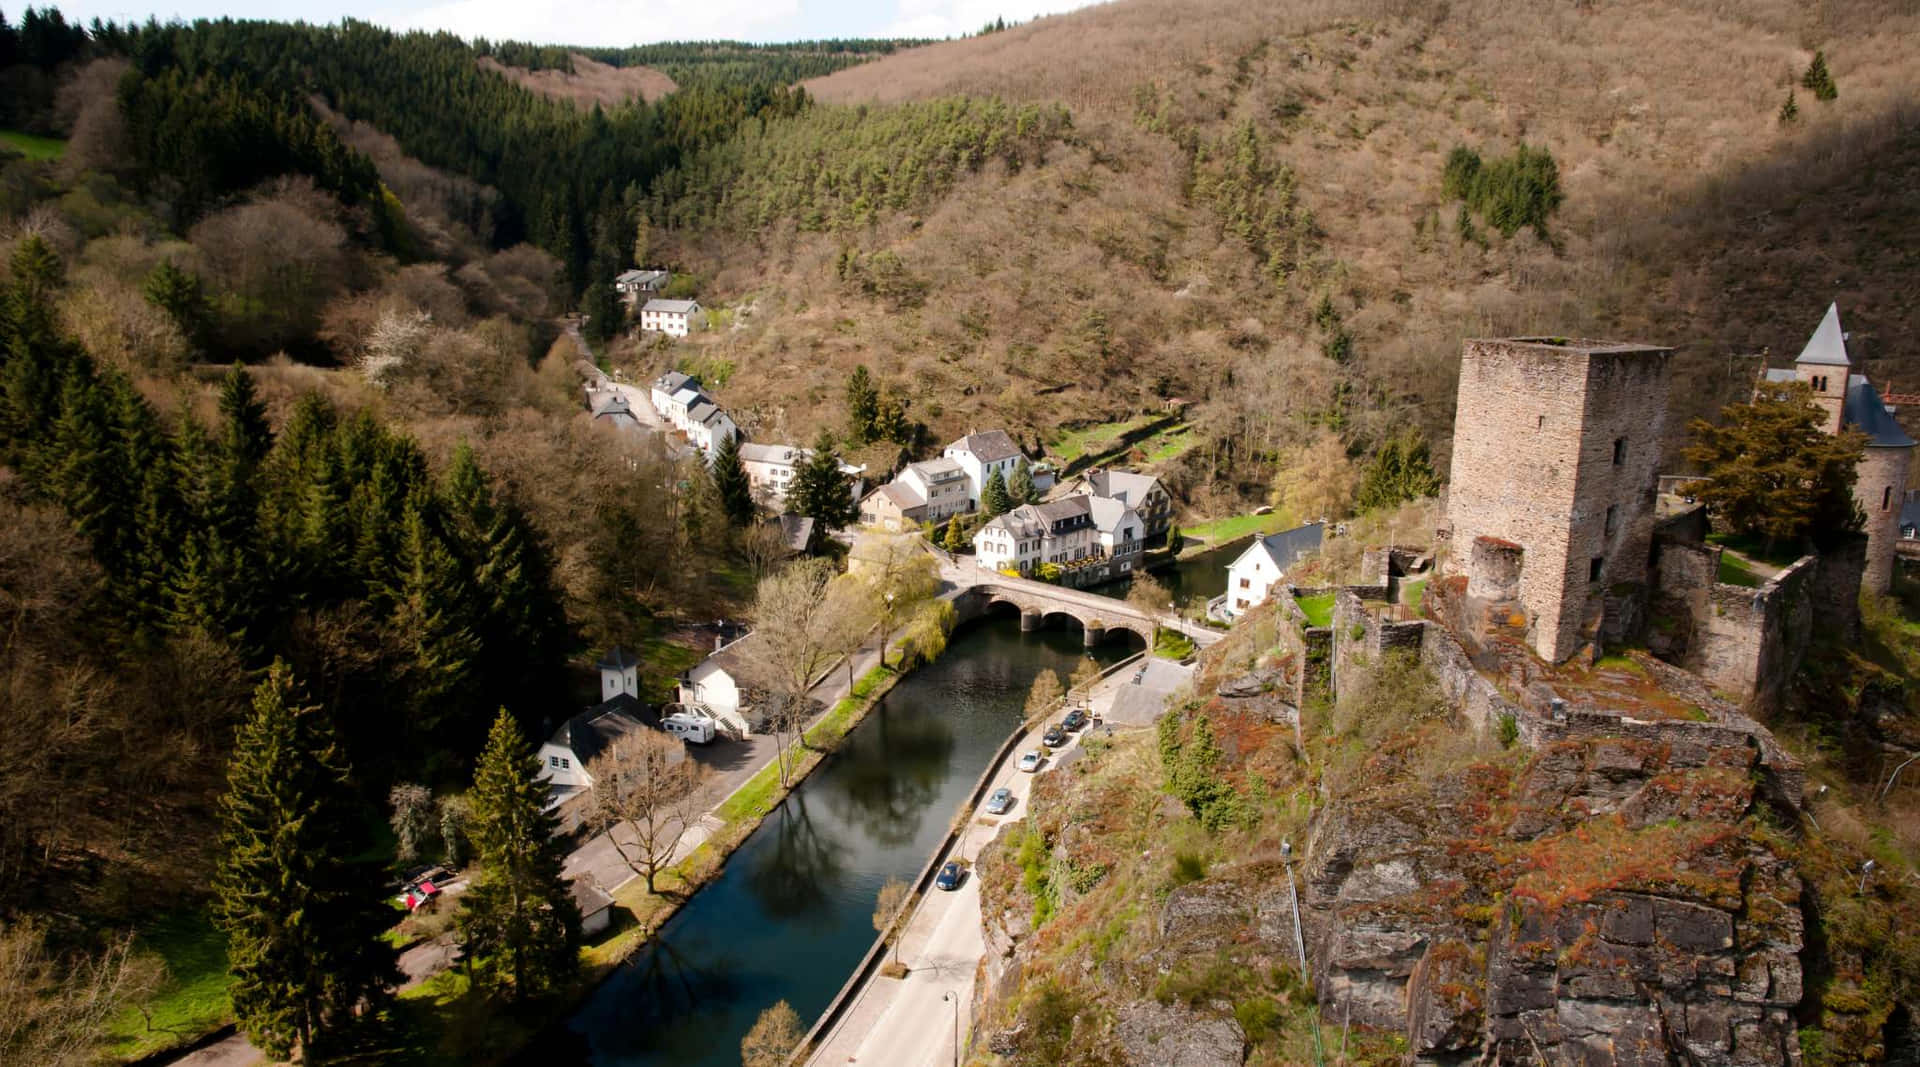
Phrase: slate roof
x=1065 y=508
x=1865 y=411
x=1109 y=513
x=796 y=531
x=589 y=898
x=673 y=381
x=701 y=410
x=1022 y=522
x=1828 y=345
x=989 y=447
x=589 y=733
x=1288 y=546
x=670 y=307
x=1125 y=486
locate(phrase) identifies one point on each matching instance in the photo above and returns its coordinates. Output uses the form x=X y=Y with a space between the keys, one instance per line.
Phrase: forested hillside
x=1252 y=212
x=286 y=421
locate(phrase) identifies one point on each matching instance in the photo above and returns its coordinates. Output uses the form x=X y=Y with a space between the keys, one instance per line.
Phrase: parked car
x=1030 y=761
x=1054 y=737
x=950 y=876
x=1000 y=802
x=1075 y=719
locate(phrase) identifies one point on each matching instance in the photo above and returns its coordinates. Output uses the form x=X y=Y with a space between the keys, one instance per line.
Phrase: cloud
x=955 y=18
x=596 y=22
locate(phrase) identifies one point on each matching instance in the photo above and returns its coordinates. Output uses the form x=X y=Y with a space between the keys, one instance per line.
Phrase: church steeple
x=1824 y=365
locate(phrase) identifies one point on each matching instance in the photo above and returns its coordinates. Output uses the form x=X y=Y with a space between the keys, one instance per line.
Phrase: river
x=792 y=913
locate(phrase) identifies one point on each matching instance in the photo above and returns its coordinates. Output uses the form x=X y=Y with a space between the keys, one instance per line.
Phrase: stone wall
x=1557 y=449
x=1314 y=680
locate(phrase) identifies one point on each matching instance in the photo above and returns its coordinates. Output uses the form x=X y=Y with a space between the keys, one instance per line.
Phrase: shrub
x=1259 y=1017
x=1507 y=730
x=1188 y=867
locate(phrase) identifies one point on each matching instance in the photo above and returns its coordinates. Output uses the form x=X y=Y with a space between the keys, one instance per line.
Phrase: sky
x=600 y=22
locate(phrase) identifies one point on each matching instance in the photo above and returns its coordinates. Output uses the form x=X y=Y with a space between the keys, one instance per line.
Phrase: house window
x=1593 y=569
x=553 y=761
x=1540 y=423
x=1619 y=451
x=1246 y=583
x=1886 y=498
x=1613 y=518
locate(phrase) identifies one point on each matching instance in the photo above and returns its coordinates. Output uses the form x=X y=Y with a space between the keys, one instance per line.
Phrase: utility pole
x=1300 y=943
x=955 y=1001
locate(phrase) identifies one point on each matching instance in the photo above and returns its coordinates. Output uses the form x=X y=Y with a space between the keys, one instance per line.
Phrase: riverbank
x=452 y=1023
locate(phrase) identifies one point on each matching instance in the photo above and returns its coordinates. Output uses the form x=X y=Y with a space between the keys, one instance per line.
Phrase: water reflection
x=792 y=913
x=791 y=878
x=894 y=772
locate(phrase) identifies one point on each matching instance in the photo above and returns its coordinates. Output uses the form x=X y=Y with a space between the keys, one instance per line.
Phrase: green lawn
x=1170 y=445
x=1779 y=555
x=33 y=147
x=1220 y=531
x=1172 y=644
x=1092 y=440
x=1319 y=609
x=1412 y=595
x=193 y=999
x=1737 y=571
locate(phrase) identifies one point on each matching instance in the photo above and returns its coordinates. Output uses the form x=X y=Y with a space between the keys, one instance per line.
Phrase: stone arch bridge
x=977 y=591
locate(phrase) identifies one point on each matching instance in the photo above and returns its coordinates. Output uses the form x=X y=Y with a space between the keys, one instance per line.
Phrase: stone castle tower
x=1849 y=399
x=1556 y=454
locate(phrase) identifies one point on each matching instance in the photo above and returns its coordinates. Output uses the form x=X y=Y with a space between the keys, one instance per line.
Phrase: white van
x=693 y=729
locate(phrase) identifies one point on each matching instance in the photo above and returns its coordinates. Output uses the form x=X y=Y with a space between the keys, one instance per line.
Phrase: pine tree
x=244 y=434
x=730 y=482
x=993 y=496
x=863 y=406
x=1790 y=110
x=181 y=296
x=519 y=925
x=953 y=540
x=1401 y=471
x=430 y=621
x=1020 y=487
x=1818 y=79
x=821 y=491
x=302 y=916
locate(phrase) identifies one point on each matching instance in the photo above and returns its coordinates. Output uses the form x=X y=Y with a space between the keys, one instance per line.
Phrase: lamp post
x=955 y=1001
x=1300 y=943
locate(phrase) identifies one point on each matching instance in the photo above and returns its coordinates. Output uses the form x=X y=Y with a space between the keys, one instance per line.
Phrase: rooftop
x=673 y=381
x=1866 y=412
x=937 y=470
x=788 y=454
x=670 y=307
x=988 y=447
x=619 y=659
x=1828 y=345
x=1586 y=345
x=587 y=734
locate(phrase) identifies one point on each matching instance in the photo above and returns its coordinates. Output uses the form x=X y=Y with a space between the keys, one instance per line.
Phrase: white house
x=772 y=468
x=1253 y=574
x=708 y=426
x=730 y=688
x=1118 y=530
x=619 y=673
x=681 y=402
x=981 y=456
x=941 y=485
x=565 y=755
x=675 y=318
x=1141 y=492
x=664 y=387
x=1058 y=531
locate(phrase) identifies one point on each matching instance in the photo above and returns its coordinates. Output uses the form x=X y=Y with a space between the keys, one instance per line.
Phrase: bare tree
x=854 y=614
x=1046 y=693
x=775 y=1036
x=646 y=791
x=902 y=578
x=792 y=644
x=413 y=820
x=764 y=546
x=893 y=897
x=55 y=1010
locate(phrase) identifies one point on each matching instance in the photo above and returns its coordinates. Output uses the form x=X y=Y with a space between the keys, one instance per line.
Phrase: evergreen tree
x=1790 y=110
x=1402 y=470
x=863 y=406
x=953 y=540
x=244 y=437
x=606 y=313
x=1763 y=459
x=730 y=483
x=430 y=621
x=182 y=297
x=302 y=916
x=821 y=491
x=993 y=495
x=1818 y=79
x=519 y=924
x=1020 y=487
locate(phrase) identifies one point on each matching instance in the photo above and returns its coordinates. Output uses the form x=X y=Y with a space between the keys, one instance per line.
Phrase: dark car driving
x=1054 y=737
x=1075 y=719
x=950 y=876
